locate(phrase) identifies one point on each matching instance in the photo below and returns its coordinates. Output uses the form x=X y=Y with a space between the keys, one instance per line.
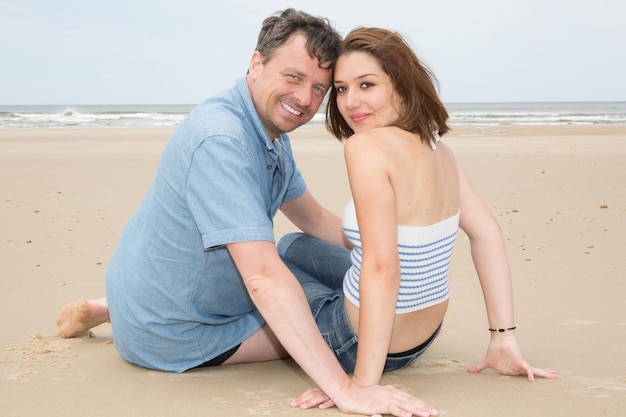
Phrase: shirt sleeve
x=227 y=193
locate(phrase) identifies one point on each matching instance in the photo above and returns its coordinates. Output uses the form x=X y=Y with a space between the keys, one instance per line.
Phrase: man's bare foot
x=76 y=318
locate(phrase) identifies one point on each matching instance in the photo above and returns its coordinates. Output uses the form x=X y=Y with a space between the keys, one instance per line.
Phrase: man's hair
x=323 y=41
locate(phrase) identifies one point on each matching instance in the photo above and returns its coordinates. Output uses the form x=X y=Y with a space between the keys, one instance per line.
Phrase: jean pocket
x=344 y=350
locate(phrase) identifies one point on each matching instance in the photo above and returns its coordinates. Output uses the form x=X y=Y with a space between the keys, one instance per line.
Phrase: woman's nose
x=351 y=99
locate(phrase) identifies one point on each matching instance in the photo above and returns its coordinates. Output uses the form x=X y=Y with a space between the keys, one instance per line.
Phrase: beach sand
x=558 y=193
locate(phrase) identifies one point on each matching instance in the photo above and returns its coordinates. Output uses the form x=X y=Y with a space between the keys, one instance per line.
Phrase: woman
x=409 y=196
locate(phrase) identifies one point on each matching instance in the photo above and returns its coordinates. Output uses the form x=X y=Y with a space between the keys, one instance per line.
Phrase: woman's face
x=365 y=95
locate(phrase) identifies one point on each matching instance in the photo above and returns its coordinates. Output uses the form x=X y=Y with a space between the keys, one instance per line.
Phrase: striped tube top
x=425 y=254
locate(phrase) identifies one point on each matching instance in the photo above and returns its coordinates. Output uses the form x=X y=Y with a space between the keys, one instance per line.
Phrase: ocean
x=479 y=114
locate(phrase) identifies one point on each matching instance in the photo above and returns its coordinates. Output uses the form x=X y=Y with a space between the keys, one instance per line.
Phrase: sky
x=182 y=51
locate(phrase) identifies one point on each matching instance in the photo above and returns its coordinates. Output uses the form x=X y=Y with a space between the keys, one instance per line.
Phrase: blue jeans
x=320 y=268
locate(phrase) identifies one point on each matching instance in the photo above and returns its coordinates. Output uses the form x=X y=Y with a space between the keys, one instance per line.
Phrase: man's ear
x=256 y=64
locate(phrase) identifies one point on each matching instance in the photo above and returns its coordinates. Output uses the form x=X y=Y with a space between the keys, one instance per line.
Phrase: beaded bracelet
x=503 y=330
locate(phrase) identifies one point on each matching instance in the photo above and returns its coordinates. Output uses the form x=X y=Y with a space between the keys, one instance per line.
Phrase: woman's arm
x=492 y=266
x=380 y=269
x=488 y=254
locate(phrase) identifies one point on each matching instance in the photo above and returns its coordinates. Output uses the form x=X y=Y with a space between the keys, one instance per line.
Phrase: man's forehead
x=296 y=42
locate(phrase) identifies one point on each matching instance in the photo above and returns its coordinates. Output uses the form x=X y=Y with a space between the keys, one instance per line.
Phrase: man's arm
x=280 y=299
x=315 y=220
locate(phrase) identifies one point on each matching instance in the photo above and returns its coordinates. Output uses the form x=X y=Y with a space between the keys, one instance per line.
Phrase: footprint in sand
x=265 y=402
x=600 y=388
x=20 y=363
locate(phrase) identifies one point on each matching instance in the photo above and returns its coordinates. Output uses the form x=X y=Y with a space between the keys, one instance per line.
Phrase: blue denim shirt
x=175 y=297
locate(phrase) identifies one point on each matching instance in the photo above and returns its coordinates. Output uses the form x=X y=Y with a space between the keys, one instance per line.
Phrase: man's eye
x=320 y=90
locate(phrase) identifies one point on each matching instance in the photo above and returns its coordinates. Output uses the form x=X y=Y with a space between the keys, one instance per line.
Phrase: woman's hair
x=421 y=111
x=323 y=42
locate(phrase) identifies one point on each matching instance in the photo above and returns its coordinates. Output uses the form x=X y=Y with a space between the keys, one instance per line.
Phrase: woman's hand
x=375 y=399
x=504 y=356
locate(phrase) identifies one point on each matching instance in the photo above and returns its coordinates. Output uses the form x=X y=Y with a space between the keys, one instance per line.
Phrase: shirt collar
x=250 y=112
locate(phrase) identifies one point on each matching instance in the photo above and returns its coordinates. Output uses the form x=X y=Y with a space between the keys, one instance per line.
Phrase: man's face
x=288 y=88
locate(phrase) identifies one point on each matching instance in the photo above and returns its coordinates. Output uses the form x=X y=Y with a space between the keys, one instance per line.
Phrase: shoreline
x=157 y=133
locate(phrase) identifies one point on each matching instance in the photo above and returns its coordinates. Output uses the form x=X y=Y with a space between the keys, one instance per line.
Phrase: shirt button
x=269 y=167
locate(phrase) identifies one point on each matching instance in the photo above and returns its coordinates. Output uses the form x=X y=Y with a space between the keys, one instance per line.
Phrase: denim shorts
x=320 y=268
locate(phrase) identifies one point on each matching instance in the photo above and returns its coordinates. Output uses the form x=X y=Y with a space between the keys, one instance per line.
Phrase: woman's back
x=398 y=180
x=424 y=180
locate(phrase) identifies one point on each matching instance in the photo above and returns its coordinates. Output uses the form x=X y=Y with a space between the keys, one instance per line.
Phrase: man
x=197 y=280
